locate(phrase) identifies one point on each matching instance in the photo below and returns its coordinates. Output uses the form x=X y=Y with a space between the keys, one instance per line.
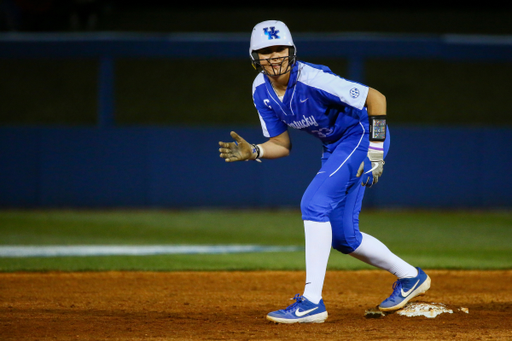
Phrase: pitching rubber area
x=222 y=305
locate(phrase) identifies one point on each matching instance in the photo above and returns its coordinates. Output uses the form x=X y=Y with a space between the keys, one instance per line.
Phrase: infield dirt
x=233 y=305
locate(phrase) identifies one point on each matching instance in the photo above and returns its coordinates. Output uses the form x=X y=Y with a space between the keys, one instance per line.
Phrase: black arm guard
x=377 y=128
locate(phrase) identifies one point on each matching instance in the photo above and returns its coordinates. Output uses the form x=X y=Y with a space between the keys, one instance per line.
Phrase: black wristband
x=256 y=149
x=377 y=128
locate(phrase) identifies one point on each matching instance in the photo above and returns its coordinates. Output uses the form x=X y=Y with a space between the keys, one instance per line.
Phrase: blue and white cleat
x=404 y=290
x=302 y=311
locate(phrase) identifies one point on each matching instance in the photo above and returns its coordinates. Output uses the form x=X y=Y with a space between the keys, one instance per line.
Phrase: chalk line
x=133 y=250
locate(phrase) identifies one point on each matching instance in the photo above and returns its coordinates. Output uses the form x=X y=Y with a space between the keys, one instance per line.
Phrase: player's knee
x=346 y=244
x=314 y=211
x=343 y=248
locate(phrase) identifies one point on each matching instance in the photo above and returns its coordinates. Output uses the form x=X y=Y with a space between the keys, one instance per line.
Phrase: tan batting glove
x=240 y=150
x=376 y=156
x=360 y=170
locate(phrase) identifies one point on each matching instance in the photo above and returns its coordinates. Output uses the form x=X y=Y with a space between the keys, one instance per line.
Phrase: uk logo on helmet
x=271 y=32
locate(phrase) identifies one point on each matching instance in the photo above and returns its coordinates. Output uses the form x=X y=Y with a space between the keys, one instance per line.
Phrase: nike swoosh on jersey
x=407 y=293
x=299 y=313
x=304 y=100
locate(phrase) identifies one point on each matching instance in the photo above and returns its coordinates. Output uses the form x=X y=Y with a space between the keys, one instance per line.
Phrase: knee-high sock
x=318 y=237
x=374 y=252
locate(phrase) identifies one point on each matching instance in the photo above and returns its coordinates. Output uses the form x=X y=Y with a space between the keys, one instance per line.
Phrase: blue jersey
x=316 y=101
x=331 y=108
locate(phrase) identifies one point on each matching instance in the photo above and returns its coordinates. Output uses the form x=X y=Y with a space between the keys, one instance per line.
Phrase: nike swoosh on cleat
x=299 y=313
x=407 y=293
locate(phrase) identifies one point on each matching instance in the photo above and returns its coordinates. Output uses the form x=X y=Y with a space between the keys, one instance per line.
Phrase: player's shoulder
x=310 y=68
x=312 y=73
x=259 y=80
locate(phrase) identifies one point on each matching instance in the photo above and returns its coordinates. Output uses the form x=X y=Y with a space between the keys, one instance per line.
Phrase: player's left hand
x=370 y=172
x=240 y=150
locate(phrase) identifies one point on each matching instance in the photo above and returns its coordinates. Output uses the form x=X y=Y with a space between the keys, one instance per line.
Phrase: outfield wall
x=171 y=167
x=157 y=167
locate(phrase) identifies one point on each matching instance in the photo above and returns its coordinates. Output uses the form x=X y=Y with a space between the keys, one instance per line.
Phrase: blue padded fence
x=178 y=167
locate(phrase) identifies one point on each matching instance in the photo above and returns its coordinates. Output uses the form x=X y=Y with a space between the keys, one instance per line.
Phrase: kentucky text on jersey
x=306 y=122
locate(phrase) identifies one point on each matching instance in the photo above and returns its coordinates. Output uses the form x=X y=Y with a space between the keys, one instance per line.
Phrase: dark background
x=489 y=17
x=177 y=92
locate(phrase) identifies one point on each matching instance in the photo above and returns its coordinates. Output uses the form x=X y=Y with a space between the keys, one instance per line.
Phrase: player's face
x=274 y=60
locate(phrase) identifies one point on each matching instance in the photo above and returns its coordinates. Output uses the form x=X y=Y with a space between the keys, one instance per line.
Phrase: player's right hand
x=240 y=150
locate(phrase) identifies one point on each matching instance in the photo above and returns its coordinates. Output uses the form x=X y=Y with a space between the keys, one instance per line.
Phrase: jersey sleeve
x=336 y=88
x=271 y=125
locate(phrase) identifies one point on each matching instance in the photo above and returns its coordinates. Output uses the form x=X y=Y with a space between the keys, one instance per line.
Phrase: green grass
x=430 y=239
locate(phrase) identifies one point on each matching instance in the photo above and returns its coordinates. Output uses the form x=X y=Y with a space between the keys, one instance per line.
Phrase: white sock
x=318 y=237
x=374 y=252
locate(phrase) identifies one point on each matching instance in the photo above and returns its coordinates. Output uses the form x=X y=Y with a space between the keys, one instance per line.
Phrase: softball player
x=350 y=120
